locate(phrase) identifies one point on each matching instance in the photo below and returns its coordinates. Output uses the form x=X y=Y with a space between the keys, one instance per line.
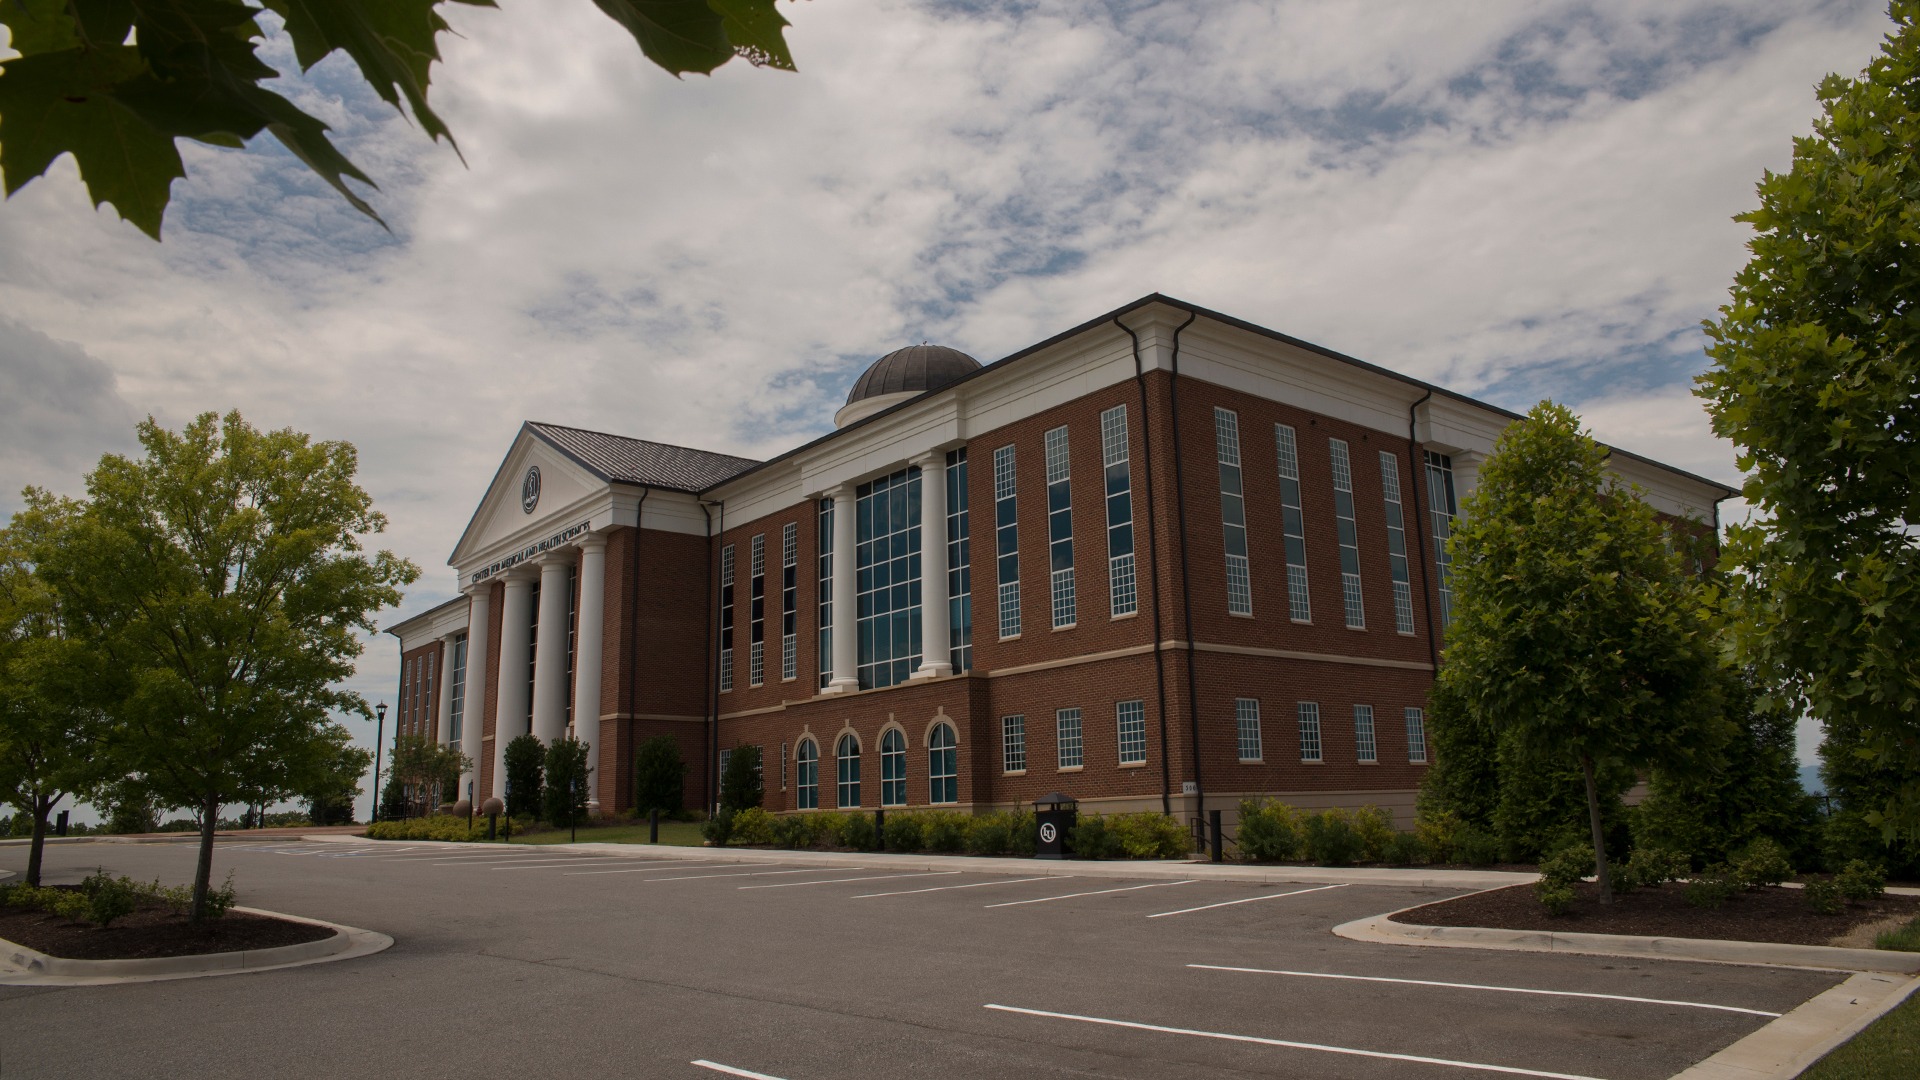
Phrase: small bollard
x=1213 y=825
x=879 y=830
x=653 y=826
x=60 y=827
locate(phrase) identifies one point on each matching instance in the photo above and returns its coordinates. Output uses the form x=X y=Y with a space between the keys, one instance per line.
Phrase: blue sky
x=1513 y=199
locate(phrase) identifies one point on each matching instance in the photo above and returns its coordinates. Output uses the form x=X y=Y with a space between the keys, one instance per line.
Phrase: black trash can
x=1057 y=814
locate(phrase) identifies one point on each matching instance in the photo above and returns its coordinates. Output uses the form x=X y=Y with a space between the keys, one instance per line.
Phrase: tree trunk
x=203 y=868
x=41 y=805
x=1599 y=835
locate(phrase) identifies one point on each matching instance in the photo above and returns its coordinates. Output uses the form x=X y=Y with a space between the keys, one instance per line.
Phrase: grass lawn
x=672 y=834
x=1887 y=1050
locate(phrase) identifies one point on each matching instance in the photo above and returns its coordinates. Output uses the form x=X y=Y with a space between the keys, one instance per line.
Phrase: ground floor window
x=1131 y=717
x=808 y=793
x=1246 y=719
x=943 y=766
x=893 y=769
x=1363 y=743
x=1309 y=731
x=1013 y=744
x=1416 y=736
x=847 y=760
x=1068 y=728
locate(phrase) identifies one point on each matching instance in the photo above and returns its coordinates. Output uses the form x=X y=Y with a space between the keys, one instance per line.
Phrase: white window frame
x=1013 y=744
x=1366 y=742
x=1246 y=723
x=1069 y=740
x=1416 y=736
x=1130 y=724
x=1312 y=748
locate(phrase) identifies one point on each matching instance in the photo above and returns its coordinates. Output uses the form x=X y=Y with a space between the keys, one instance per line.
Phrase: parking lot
x=534 y=963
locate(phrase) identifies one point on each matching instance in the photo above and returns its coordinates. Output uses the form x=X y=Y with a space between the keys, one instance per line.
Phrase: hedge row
x=436 y=827
x=1015 y=832
x=1276 y=832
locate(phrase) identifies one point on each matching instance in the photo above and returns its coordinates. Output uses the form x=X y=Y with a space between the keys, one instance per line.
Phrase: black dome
x=915 y=369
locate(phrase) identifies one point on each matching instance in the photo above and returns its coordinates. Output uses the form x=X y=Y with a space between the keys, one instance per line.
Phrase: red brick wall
x=496 y=603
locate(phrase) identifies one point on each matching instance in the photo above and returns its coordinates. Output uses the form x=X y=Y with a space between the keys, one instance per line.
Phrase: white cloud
x=1512 y=199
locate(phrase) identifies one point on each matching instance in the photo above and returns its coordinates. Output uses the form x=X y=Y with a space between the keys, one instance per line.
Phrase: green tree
x=526 y=760
x=1816 y=378
x=117 y=83
x=336 y=784
x=1576 y=629
x=428 y=770
x=222 y=576
x=740 y=781
x=659 y=776
x=49 y=730
x=568 y=777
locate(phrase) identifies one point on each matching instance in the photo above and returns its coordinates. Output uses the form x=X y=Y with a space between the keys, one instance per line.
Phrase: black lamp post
x=379 y=737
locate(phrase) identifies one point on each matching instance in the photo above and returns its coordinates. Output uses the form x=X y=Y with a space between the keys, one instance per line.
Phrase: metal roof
x=916 y=368
x=618 y=459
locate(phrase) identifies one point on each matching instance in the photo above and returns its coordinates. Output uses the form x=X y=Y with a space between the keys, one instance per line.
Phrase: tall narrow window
x=824 y=639
x=457 y=696
x=1349 y=533
x=1013 y=744
x=404 y=723
x=757 y=613
x=959 y=564
x=1131 y=719
x=1006 y=534
x=846 y=755
x=789 y=600
x=1309 y=731
x=1115 y=452
x=726 y=618
x=1416 y=736
x=1441 y=510
x=1060 y=529
x=533 y=644
x=887 y=561
x=1067 y=730
x=1233 y=511
x=807 y=776
x=428 y=701
x=573 y=634
x=1364 y=747
x=1246 y=722
x=893 y=768
x=1397 y=543
x=943 y=766
x=783 y=766
x=1293 y=525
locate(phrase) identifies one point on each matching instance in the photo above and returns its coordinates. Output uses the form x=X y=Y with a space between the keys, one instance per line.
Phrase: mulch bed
x=1770 y=914
x=151 y=931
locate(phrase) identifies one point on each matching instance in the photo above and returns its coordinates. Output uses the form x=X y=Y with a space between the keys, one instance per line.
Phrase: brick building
x=1163 y=560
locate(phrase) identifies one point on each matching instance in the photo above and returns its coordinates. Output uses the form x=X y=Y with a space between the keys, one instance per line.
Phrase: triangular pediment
x=503 y=521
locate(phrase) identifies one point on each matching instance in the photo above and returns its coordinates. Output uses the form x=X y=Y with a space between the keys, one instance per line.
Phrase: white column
x=474 y=720
x=936 y=657
x=516 y=618
x=846 y=627
x=586 y=661
x=443 y=708
x=550 y=648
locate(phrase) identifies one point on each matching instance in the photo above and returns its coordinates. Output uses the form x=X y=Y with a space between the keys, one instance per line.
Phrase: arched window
x=847 y=753
x=943 y=766
x=893 y=768
x=808 y=795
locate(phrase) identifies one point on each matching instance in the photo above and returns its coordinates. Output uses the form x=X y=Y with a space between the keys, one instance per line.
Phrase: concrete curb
x=21 y=966
x=1145 y=869
x=1790 y=1045
x=1382 y=930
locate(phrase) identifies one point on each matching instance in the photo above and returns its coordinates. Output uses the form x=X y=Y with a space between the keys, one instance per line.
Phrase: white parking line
x=1248 y=900
x=574 y=861
x=649 y=869
x=755 y=873
x=731 y=1071
x=1096 y=892
x=945 y=888
x=1323 y=1048
x=837 y=881
x=1501 y=989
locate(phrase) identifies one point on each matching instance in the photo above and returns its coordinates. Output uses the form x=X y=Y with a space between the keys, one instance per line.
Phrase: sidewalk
x=326 y=832
x=1123 y=869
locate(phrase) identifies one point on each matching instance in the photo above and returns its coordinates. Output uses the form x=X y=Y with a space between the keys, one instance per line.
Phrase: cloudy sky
x=1513 y=199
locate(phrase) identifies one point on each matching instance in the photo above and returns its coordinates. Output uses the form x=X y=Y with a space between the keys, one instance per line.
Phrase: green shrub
x=751 y=826
x=659 y=776
x=1557 y=899
x=945 y=833
x=1762 y=863
x=1439 y=830
x=1861 y=880
x=1714 y=887
x=989 y=836
x=1567 y=866
x=1406 y=849
x=1900 y=939
x=791 y=831
x=904 y=831
x=1373 y=828
x=826 y=829
x=740 y=782
x=858 y=833
x=719 y=828
x=526 y=764
x=1650 y=868
x=1823 y=896
x=1091 y=839
x=445 y=827
x=1476 y=847
x=1269 y=831
x=109 y=898
x=1330 y=838
x=569 y=779
x=1149 y=835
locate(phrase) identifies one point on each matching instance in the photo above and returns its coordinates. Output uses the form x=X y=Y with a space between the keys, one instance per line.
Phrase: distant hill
x=1810 y=779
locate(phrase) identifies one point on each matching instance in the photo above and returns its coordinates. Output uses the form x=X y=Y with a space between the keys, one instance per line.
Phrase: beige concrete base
x=21 y=966
x=1790 y=1045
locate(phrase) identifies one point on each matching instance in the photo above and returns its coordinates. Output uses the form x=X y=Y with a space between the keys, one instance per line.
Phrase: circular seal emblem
x=530 y=489
x=1049 y=833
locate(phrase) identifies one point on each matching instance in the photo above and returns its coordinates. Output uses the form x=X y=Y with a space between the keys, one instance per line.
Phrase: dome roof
x=912 y=370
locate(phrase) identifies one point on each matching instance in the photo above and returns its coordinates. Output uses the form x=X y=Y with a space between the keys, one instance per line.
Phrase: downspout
x=712 y=768
x=1186 y=573
x=1420 y=526
x=1153 y=570
x=633 y=631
